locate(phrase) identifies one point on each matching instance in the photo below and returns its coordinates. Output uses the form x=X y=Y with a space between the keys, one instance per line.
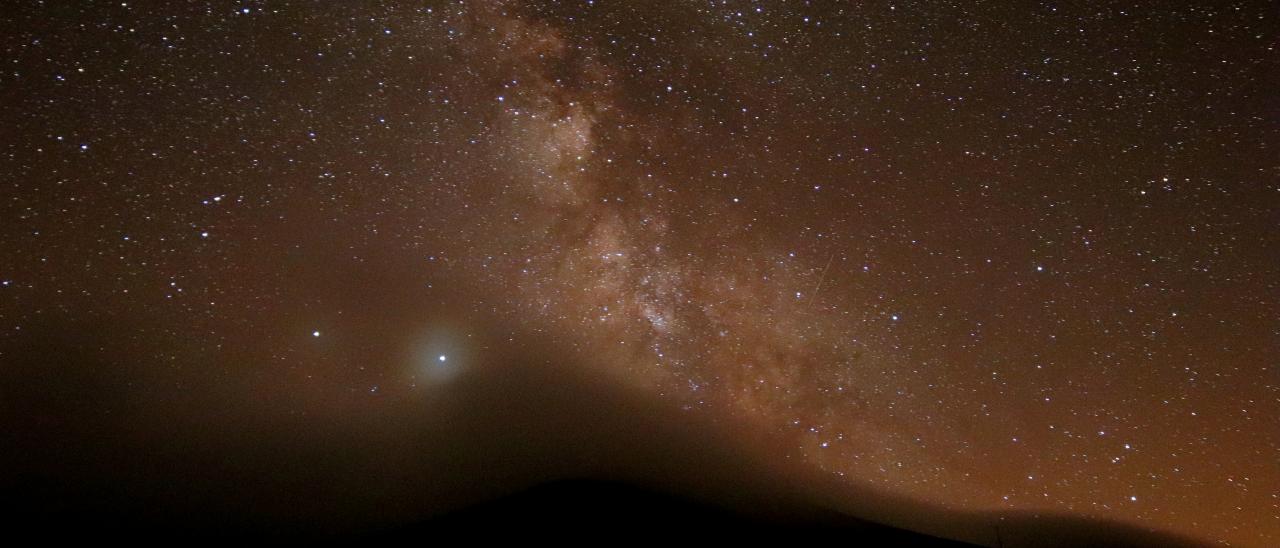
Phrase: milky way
x=994 y=258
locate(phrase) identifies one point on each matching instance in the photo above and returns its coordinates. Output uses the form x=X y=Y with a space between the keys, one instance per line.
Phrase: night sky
x=990 y=257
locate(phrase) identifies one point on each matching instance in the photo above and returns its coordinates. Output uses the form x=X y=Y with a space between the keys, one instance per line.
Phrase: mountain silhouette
x=532 y=443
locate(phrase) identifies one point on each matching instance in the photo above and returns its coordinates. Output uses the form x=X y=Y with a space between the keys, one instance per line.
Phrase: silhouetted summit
x=579 y=509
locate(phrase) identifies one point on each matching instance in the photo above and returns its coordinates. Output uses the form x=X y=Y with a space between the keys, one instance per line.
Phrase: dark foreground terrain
x=569 y=510
x=556 y=511
x=608 y=511
x=99 y=451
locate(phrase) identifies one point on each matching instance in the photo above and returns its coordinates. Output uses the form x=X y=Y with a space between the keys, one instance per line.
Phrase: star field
x=997 y=257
